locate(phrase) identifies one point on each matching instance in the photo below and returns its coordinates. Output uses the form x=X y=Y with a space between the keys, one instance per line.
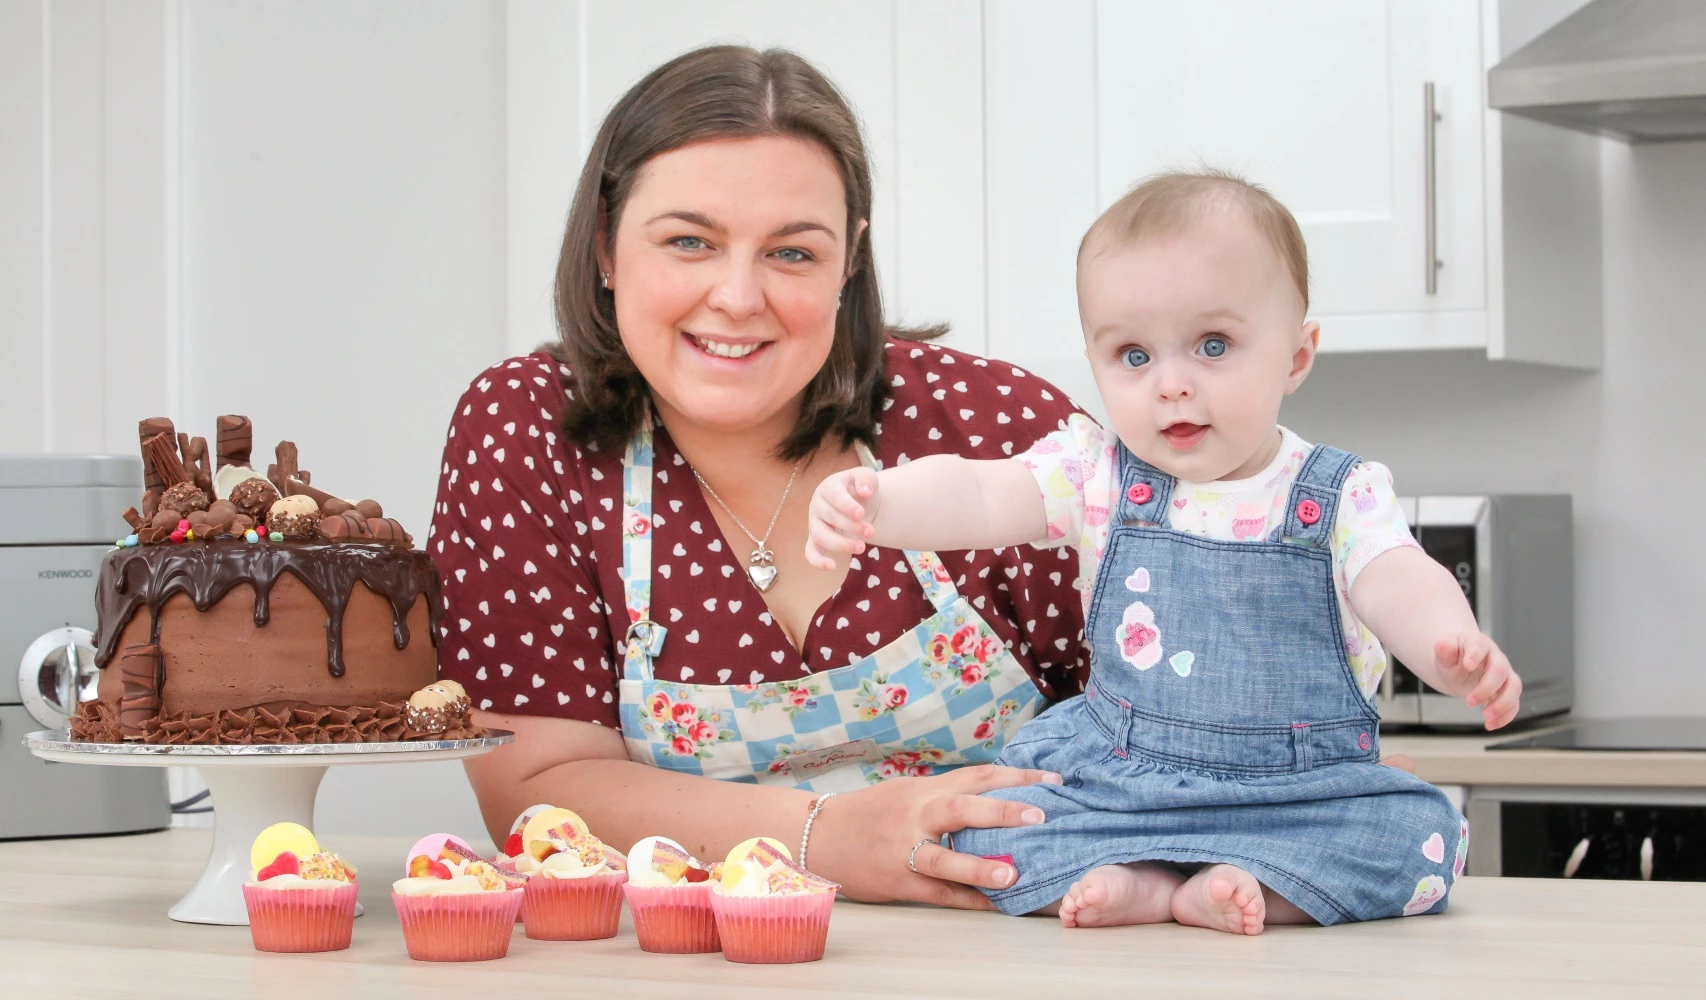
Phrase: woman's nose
x=737 y=293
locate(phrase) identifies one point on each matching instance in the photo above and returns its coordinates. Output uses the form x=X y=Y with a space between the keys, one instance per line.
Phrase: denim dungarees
x=1223 y=724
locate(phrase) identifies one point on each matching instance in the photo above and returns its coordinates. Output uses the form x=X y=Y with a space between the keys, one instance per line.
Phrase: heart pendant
x=762 y=576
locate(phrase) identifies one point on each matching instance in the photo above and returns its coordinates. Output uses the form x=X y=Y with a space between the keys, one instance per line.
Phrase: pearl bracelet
x=812 y=810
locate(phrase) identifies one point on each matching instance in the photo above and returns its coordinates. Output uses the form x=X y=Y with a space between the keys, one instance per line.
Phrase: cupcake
x=299 y=897
x=574 y=890
x=669 y=893
x=768 y=908
x=454 y=905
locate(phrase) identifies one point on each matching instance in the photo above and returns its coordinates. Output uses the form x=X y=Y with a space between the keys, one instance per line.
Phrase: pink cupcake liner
x=470 y=927
x=574 y=909
x=300 y=919
x=773 y=929
x=675 y=920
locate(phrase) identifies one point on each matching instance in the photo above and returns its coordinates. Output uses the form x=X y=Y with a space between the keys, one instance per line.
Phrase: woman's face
x=726 y=264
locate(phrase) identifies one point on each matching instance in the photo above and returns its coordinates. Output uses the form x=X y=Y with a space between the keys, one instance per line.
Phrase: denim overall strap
x=1145 y=491
x=1313 y=505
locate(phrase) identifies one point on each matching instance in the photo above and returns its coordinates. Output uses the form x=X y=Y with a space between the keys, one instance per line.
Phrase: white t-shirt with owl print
x=1078 y=474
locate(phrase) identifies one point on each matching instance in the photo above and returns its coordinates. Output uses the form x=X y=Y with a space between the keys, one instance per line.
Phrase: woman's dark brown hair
x=718 y=92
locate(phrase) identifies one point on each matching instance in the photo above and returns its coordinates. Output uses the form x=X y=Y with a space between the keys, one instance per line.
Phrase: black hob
x=1659 y=733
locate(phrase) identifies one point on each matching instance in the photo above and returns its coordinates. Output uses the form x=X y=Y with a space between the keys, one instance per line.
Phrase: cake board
x=253 y=786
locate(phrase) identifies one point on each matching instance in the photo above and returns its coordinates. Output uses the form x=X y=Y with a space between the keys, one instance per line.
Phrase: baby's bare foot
x=1113 y=895
x=1220 y=897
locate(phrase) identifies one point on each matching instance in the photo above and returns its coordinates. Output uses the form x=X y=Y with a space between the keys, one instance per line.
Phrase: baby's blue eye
x=1213 y=347
x=1134 y=357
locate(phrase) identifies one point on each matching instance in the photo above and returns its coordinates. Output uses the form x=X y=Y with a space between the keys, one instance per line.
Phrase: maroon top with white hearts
x=527 y=536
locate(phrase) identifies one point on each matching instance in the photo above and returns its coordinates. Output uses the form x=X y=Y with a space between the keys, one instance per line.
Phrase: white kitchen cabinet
x=1324 y=104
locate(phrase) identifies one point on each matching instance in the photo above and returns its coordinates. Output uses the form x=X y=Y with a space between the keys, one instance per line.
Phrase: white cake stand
x=253 y=787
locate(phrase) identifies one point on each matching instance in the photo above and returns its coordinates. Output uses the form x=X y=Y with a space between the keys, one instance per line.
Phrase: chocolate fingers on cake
x=257 y=608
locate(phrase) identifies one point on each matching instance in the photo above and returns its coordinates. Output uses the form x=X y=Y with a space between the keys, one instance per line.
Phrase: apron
x=1223 y=724
x=945 y=694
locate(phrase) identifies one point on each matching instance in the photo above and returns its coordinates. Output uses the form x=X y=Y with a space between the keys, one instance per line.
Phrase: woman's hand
x=862 y=839
x=840 y=516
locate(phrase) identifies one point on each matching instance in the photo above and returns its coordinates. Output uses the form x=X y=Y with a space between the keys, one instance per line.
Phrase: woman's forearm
x=623 y=801
x=584 y=767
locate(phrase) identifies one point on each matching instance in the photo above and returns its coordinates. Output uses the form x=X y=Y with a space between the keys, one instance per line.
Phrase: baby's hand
x=1472 y=665
x=840 y=516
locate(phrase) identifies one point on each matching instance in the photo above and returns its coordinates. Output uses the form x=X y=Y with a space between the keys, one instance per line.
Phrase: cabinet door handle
x=1430 y=199
x=1647 y=859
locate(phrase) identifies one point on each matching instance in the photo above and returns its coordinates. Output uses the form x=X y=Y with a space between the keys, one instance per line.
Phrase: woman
x=621 y=520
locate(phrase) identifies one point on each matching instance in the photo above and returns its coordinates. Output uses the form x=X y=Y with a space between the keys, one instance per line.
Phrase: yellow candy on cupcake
x=574 y=892
x=454 y=905
x=769 y=909
x=299 y=897
x=669 y=893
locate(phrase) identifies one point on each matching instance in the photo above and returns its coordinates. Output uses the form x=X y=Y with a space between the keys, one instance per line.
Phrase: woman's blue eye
x=689 y=242
x=793 y=255
x=1214 y=347
x=1134 y=357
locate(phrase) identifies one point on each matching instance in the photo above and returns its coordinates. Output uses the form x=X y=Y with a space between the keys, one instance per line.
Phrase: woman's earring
x=604 y=278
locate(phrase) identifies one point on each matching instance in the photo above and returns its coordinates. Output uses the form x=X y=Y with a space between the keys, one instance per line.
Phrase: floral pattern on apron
x=945 y=694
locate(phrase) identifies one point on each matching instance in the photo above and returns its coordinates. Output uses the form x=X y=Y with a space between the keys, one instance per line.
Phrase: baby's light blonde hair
x=1171 y=202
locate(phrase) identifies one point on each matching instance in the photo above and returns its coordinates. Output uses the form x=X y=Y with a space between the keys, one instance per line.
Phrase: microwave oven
x=1512 y=555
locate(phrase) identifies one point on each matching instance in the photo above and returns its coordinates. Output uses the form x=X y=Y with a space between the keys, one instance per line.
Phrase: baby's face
x=1194 y=339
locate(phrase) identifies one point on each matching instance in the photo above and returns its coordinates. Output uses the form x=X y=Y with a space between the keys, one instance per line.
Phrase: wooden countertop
x=1465 y=760
x=87 y=918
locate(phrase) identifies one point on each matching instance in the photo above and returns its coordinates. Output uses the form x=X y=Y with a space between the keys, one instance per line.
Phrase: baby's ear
x=1303 y=358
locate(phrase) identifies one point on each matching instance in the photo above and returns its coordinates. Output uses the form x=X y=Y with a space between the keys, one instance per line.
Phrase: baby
x=1241 y=588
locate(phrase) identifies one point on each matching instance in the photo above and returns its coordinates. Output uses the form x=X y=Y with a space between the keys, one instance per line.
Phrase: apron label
x=805 y=766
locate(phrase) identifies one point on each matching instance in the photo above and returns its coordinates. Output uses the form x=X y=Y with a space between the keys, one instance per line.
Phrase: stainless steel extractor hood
x=1629 y=69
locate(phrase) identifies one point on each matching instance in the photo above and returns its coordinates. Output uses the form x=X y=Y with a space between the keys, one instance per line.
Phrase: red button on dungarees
x=1309 y=512
x=1139 y=493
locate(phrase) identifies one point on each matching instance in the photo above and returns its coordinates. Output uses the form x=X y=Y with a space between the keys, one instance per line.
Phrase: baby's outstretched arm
x=937 y=502
x=1417 y=610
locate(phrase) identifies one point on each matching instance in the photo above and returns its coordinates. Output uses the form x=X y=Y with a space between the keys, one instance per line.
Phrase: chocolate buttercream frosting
x=385 y=722
x=151 y=575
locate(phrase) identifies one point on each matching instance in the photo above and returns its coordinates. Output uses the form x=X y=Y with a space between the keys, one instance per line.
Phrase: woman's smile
x=726 y=349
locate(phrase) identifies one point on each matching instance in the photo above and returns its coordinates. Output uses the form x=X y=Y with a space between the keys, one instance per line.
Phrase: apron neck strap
x=645 y=637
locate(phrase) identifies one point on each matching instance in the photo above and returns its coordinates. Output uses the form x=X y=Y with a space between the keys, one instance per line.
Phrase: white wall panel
x=1040 y=177
x=343 y=248
x=23 y=224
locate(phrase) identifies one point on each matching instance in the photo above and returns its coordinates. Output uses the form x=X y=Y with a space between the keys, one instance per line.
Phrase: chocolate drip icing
x=206 y=571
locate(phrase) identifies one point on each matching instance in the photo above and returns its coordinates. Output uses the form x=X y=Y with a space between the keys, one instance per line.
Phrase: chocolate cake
x=259 y=609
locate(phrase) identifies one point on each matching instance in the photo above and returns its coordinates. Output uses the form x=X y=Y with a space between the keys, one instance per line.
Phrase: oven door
x=1599 y=833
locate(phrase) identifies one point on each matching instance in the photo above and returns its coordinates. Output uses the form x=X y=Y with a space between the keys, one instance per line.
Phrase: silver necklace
x=761 y=568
